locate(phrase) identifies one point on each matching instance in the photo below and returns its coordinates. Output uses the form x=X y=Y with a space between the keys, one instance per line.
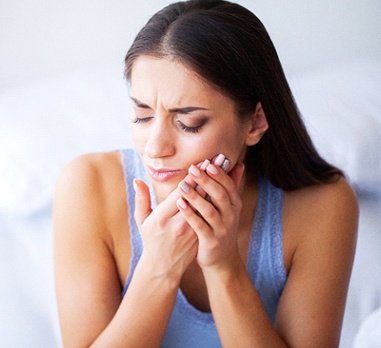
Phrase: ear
x=258 y=126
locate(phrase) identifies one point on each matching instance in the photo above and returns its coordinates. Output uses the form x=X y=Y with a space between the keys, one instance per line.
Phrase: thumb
x=142 y=201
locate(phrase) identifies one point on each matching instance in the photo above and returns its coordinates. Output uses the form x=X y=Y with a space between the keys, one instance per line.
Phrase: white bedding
x=46 y=124
x=364 y=294
x=369 y=335
x=28 y=316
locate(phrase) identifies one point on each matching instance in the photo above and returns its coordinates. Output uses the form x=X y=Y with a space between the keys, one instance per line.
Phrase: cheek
x=229 y=140
x=138 y=137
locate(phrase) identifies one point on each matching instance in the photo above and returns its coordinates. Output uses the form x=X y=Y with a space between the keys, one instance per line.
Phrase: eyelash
x=189 y=129
x=183 y=127
x=141 y=120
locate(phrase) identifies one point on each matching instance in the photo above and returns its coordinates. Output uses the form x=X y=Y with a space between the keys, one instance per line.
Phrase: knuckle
x=209 y=211
x=160 y=221
x=200 y=225
x=221 y=195
x=181 y=230
x=230 y=221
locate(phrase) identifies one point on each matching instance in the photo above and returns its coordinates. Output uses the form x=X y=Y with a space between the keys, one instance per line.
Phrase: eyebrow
x=185 y=110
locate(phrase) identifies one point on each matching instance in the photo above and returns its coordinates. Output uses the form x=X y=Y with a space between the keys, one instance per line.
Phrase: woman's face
x=180 y=120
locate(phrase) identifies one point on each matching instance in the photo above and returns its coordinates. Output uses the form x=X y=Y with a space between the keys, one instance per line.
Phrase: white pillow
x=369 y=335
x=45 y=125
x=341 y=107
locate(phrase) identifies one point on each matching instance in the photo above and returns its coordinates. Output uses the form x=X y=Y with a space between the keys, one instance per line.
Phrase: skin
x=201 y=249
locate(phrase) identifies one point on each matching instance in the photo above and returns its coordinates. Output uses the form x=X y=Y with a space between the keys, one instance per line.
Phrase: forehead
x=152 y=67
x=171 y=81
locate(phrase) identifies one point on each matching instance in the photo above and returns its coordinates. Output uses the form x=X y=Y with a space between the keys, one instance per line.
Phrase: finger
x=203 y=208
x=230 y=184
x=142 y=201
x=220 y=161
x=182 y=226
x=195 y=221
x=200 y=191
x=202 y=167
x=217 y=184
x=169 y=205
x=168 y=208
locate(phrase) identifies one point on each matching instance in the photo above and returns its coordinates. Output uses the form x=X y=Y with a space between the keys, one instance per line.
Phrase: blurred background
x=42 y=38
x=62 y=94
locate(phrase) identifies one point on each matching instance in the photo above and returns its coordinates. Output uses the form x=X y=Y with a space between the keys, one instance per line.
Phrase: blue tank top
x=188 y=327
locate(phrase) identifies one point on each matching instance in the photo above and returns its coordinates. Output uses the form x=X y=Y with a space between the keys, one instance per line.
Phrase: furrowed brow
x=139 y=103
x=187 y=110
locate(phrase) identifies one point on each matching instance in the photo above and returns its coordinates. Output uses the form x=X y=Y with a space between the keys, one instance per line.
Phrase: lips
x=162 y=175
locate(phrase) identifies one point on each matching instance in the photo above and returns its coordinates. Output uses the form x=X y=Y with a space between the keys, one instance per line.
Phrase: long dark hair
x=228 y=46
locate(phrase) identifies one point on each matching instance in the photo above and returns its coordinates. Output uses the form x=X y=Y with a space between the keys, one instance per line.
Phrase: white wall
x=41 y=38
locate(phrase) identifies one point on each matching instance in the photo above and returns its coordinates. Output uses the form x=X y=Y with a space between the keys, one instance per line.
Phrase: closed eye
x=141 y=119
x=193 y=129
x=178 y=111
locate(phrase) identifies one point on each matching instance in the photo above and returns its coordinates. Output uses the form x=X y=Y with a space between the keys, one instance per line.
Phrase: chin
x=163 y=190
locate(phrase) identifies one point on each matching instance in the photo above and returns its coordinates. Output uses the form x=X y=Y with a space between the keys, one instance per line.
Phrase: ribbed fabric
x=189 y=327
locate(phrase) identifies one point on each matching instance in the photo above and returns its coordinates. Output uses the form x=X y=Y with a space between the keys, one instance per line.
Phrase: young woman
x=224 y=227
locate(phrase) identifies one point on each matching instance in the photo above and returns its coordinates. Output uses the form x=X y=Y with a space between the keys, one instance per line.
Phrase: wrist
x=150 y=272
x=224 y=275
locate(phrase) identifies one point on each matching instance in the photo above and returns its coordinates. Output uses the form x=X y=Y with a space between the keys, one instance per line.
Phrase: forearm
x=144 y=312
x=237 y=309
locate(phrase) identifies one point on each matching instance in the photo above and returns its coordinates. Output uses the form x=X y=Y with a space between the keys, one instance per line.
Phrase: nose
x=160 y=141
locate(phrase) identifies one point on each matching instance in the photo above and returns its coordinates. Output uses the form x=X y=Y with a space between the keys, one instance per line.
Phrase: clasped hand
x=198 y=220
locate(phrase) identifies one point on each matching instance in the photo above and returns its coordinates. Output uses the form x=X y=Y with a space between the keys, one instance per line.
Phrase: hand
x=170 y=244
x=214 y=220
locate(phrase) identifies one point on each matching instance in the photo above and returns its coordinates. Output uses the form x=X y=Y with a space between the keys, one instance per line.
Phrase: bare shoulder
x=95 y=176
x=91 y=189
x=319 y=215
x=90 y=169
x=325 y=203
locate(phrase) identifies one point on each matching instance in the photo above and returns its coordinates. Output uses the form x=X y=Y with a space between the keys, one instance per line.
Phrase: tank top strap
x=133 y=169
x=265 y=263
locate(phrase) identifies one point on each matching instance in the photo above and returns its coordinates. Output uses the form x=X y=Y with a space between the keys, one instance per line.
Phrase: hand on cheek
x=219 y=161
x=215 y=217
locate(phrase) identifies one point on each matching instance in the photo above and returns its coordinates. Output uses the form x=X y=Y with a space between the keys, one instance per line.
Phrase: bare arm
x=311 y=309
x=91 y=310
x=87 y=285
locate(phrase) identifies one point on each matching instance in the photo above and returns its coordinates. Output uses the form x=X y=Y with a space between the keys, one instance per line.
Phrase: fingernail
x=194 y=170
x=225 y=165
x=184 y=186
x=212 y=169
x=219 y=160
x=204 y=165
x=181 y=203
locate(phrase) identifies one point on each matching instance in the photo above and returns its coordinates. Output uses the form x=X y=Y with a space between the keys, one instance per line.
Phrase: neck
x=249 y=192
